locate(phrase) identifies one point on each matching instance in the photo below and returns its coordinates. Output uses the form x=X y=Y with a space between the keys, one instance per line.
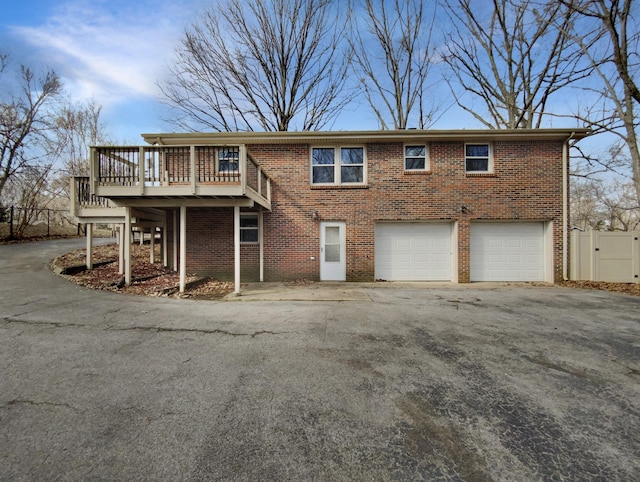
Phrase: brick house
x=455 y=205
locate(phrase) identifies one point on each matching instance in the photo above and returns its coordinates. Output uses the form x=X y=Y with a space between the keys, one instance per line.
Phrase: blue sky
x=112 y=51
x=115 y=52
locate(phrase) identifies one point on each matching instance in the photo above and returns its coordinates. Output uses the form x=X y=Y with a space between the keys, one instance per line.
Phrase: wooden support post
x=127 y=245
x=89 y=235
x=175 y=241
x=165 y=260
x=152 y=245
x=261 y=241
x=236 y=248
x=121 y=242
x=183 y=248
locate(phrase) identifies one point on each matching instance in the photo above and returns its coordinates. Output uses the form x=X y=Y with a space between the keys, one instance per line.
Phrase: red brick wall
x=526 y=185
x=210 y=245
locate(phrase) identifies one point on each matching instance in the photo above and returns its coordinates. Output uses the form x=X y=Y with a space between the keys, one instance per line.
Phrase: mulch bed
x=147 y=279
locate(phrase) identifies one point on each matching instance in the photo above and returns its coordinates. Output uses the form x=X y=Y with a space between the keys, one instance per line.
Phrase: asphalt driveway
x=405 y=383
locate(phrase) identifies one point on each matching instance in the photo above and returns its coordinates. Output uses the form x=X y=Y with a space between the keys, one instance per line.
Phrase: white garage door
x=413 y=251
x=507 y=252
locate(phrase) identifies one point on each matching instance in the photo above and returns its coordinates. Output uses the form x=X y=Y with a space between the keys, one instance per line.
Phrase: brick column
x=464 y=251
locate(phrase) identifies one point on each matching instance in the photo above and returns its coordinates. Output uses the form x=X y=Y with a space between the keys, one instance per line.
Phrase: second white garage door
x=413 y=251
x=507 y=251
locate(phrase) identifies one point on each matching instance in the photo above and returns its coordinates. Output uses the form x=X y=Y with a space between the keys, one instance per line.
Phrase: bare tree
x=23 y=121
x=608 y=204
x=29 y=191
x=610 y=39
x=4 y=60
x=602 y=196
x=270 y=65
x=511 y=59
x=392 y=59
x=78 y=127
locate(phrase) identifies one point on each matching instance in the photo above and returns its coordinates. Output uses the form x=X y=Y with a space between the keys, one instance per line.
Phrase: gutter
x=328 y=137
x=565 y=206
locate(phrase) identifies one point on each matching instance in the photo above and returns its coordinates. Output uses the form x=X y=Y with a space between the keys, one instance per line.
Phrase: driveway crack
x=56 y=324
x=19 y=401
x=157 y=329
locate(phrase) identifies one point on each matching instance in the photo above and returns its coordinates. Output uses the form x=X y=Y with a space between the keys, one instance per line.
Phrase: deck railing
x=151 y=170
x=83 y=197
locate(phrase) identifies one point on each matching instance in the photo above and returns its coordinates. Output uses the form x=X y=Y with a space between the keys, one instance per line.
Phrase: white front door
x=333 y=265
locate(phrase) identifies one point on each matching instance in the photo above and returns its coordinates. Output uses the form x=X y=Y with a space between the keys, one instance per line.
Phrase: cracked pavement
x=420 y=382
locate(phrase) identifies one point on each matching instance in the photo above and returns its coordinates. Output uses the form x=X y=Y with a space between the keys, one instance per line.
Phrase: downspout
x=565 y=206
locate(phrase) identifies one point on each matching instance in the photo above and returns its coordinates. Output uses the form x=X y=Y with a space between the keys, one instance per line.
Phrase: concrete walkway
x=341 y=291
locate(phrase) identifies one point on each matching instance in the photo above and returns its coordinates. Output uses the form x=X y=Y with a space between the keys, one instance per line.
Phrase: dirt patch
x=147 y=279
x=627 y=288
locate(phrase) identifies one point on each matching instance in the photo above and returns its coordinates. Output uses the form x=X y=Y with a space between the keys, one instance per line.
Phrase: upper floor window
x=415 y=158
x=478 y=158
x=330 y=165
x=228 y=159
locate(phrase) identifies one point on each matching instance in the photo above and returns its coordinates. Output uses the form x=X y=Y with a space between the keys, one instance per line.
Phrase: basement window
x=249 y=229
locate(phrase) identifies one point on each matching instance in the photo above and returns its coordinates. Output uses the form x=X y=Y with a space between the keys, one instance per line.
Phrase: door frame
x=333 y=270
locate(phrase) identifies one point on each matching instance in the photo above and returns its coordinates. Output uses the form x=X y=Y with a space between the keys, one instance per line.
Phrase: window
x=478 y=157
x=249 y=228
x=323 y=161
x=415 y=158
x=337 y=166
x=228 y=158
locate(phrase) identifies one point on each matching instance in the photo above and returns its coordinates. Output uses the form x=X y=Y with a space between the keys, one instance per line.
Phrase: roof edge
x=310 y=137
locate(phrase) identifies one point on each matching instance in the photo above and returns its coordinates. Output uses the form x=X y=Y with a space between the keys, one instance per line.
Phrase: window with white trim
x=416 y=158
x=344 y=165
x=478 y=157
x=249 y=229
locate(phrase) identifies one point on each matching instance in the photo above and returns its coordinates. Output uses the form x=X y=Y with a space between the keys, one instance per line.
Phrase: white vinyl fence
x=605 y=256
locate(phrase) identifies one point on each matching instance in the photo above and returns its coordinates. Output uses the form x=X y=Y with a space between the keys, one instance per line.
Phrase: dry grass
x=39 y=232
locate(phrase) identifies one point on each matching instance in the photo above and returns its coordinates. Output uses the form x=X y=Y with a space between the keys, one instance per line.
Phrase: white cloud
x=112 y=50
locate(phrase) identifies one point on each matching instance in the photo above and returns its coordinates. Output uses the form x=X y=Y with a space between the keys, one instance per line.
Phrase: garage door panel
x=507 y=251
x=421 y=243
x=441 y=259
x=413 y=251
x=441 y=245
x=422 y=258
x=403 y=258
